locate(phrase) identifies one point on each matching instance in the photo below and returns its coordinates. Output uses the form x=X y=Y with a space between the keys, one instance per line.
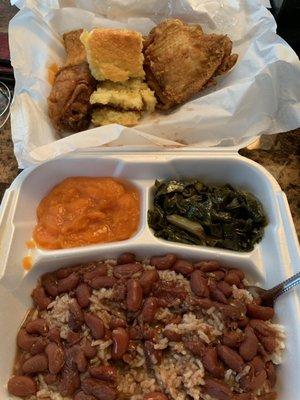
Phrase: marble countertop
x=279 y=154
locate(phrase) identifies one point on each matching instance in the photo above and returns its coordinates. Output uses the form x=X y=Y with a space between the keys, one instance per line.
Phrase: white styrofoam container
x=274 y=259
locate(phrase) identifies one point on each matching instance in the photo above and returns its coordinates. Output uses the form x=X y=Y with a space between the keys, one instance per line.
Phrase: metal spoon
x=269 y=296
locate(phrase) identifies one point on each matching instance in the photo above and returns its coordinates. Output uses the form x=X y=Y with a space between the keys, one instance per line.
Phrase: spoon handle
x=286 y=285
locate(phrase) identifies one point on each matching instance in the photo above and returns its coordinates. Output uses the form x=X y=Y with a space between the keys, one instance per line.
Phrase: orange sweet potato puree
x=82 y=210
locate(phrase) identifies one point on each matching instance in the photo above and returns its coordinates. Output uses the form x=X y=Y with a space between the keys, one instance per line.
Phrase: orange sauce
x=82 y=210
x=52 y=71
x=30 y=244
x=27 y=263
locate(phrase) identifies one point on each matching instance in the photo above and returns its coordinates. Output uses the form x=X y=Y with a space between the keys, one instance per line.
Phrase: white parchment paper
x=260 y=95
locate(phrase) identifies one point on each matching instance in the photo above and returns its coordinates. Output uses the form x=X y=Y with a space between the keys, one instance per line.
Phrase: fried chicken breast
x=181 y=59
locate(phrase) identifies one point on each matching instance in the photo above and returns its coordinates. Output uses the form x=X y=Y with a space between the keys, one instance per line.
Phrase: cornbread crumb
x=114 y=54
x=107 y=115
x=130 y=95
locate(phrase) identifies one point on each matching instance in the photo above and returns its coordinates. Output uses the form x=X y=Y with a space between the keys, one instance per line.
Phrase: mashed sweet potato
x=83 y=210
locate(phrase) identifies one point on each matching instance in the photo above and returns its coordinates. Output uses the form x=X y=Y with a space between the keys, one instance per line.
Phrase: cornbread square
x=114 y=54
x=130 y=95
x=107 y=115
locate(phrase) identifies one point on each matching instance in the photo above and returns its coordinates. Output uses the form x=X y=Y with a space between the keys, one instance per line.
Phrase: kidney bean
x=104 y=373
x=147 y=280
x=50 y=378
x=268 y=396
x=232 y=278
x=83 y=293
x=101 y=390
x=217 y=389
x=269 y=343
x=37 y=363
x=54 y=335
x=208 y=266
x=32 y=344
x=248 y=348
x=135 y=332
x=49 y=282
x=89 y=350
x=153 y=356
x=73 y=337
x=127 y=270
x=217 y=275
x=38 y=326
x=183 y=267
x=41 y=300
x=230 y=357
x=197 y=348
x=67 y=284
x=172 y=335
x=120 y=338
x=260 y=312
x=199 y=284
x=126 y=258
x=163 y=262
x=243 y=396
x=239 y=272
x=225 y=288
x=76 y=317
x=80 y=360
x=117 y=322
x=100 y=270
x=149 y=310
x=56 y=357
x=202 y=303
x=155 y=396
x=261 y=327
x=83 y=396
x=66 y=271
x=102 y=282
x=243 y=322
x=212 y=364
x=134 y=296
x=22 y=386
x=257 y=364
x=232 y=339
x=69 y=382
x=271 y=373
x=216 y=294
x=95 y=324
x=253 y=381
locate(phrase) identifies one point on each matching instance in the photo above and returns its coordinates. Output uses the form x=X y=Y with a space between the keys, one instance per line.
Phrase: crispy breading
x=130 y=95
x=68 y=102
x=75 y=49
x=114 y=54
x=108 y=115
x=180 y=60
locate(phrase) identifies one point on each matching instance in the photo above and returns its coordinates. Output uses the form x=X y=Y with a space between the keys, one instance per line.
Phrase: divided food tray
x=274 y=259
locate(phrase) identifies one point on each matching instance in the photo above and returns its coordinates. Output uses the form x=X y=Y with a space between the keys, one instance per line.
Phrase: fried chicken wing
x=68 y=103
x=180 y=60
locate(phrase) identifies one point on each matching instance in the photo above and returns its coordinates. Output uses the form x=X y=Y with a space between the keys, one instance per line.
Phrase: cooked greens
x=189 y=211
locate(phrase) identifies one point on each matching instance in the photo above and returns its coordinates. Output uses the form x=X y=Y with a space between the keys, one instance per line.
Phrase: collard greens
x=189 y=211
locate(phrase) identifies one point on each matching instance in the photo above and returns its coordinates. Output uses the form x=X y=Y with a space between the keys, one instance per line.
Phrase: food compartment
x=33 y=184
x=14 y=304
x=30 y=188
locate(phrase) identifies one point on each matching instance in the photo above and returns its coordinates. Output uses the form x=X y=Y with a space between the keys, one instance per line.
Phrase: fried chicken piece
x=68 y=103
x=180 y=60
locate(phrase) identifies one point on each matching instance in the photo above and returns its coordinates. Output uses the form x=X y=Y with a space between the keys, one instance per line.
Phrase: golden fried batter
x=68 y=103
x=180 y=60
